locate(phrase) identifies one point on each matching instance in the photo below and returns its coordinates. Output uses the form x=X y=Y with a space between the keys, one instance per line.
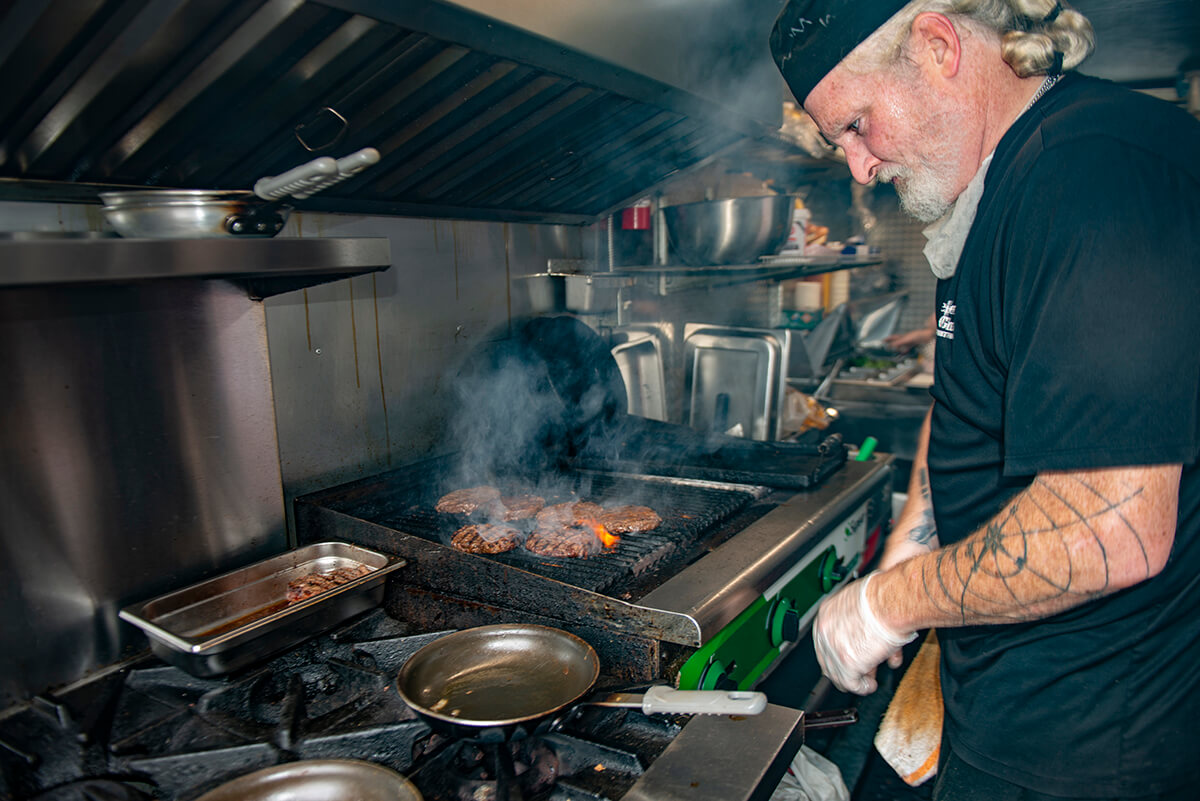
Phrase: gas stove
x=148 y=730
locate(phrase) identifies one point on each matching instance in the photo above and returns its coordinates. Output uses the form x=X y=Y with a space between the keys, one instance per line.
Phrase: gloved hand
x=851 y=641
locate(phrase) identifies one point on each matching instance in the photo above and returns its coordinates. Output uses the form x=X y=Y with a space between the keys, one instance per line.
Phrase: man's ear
x=935 y=44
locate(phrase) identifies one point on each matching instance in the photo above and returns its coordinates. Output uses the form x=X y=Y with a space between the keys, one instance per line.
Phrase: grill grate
x=688 y=510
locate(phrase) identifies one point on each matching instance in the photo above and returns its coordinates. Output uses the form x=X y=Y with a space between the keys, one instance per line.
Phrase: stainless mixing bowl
x=730 y=231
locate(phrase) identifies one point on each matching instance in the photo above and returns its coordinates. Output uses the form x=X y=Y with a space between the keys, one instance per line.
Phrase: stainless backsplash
x=153 y=434
x=138 y=454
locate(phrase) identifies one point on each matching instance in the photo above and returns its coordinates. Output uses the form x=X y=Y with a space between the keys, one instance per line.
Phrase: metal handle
x=829 y=719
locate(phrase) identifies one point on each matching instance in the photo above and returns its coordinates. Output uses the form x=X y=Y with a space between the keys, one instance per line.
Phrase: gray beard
x=924 y=208
x=924 y=193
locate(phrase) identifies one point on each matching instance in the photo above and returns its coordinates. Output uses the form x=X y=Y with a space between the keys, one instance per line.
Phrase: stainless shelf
x=677 y=278
x=264 y=267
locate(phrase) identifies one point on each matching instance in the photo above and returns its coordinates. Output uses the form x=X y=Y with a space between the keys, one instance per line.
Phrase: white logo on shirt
x=945 y=323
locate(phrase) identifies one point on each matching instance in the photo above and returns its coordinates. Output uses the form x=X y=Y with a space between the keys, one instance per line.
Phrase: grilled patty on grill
x=517 y=507
x=486 y=538
x=466 y=501
x=574 y=542
x=572 y=513
x=630 y=519
x=305 y=587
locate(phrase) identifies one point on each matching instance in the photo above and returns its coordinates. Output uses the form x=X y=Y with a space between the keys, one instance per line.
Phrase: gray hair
x=1037 y=37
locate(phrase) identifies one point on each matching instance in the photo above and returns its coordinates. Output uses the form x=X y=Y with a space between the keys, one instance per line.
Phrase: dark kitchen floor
x=852 y=749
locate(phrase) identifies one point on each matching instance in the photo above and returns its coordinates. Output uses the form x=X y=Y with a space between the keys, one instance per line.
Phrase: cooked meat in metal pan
x=574 y=542
x=486 y=538
x=305 y=587
x=572 y=513
x=465 y=501
x=519 y=507
x=630 y=519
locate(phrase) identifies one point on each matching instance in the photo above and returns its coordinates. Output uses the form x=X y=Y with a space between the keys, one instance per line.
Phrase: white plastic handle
x=346 y=166
x=296 y=179
x=702 y=702
x=358 y=161
x=310 y=178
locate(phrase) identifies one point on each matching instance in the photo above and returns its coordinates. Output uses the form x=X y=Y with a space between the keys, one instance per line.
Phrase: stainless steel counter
x=709 y=761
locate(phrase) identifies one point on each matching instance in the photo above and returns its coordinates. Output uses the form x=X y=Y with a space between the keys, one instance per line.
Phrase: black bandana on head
x=810 y=37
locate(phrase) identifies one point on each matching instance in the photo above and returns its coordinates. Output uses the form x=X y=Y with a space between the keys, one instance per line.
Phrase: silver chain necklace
x=1045 y=87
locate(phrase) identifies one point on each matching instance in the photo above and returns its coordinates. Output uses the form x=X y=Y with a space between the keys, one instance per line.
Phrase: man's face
x=895 y=128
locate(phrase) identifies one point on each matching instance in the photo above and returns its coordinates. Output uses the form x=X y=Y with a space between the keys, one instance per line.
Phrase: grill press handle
x=668 y=700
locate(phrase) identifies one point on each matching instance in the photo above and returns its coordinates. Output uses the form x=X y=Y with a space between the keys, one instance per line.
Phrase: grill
x=404 y=500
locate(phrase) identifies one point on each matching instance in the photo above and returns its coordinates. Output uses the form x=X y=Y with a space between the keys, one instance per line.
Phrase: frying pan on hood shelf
x=206 y=214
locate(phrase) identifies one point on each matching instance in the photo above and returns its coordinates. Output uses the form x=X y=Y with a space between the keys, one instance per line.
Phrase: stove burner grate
x=153 y=731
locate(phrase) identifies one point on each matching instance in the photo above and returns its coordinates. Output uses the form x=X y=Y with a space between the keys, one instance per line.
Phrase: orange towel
x=910 y=735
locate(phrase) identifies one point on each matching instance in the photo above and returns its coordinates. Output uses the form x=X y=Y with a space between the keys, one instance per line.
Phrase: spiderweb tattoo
x=1044 y=553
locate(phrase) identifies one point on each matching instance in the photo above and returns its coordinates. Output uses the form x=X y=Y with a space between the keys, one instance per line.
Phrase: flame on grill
x=609 y=539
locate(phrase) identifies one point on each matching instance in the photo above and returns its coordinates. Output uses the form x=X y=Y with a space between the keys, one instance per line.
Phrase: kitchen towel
x=910 y=734
x=811 y=777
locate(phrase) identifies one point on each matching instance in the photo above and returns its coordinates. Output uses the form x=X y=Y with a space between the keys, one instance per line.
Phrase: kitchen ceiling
x=537 y=110
x=540 y=110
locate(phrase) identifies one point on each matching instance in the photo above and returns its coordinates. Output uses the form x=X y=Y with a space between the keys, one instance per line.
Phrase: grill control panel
x=741 y=653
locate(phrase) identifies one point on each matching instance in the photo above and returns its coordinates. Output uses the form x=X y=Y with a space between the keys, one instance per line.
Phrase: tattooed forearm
x=926 y=529
x=1065 y=539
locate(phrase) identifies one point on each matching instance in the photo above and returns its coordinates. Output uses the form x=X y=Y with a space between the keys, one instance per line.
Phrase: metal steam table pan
x=240 y=617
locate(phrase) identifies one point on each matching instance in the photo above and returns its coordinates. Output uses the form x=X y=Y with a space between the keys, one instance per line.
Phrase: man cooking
x=1052 y=530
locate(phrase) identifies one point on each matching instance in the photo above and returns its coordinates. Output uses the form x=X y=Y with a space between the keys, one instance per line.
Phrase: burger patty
x=519 y=507
x=572 y=542
x=486 y=538
x=305 y=587
x=466 y=501
x=566 y=515
x=630 y=519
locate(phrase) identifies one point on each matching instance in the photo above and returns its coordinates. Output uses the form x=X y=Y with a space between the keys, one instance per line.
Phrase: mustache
x=892 y=172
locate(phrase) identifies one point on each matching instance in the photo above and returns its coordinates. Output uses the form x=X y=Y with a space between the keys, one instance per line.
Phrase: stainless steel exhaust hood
x=537 y=110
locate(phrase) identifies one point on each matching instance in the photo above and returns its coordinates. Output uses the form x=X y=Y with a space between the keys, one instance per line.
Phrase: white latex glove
x=851 y=641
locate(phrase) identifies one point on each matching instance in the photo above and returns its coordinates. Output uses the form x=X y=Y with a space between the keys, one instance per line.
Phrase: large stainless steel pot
x=729 y=231
x=203 y=213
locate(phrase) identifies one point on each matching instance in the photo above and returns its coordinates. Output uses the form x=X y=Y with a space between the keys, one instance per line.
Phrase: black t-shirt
x=1069 y=338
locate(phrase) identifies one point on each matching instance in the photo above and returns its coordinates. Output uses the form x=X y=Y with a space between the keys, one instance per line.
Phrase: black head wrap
x=810 y=37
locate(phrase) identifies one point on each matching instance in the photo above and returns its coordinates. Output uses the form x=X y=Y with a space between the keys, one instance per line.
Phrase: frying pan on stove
x=495 y=683
x=492 y=684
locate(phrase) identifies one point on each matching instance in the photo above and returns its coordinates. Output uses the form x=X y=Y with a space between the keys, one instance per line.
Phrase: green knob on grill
x=834 y=571
x=784 y=622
